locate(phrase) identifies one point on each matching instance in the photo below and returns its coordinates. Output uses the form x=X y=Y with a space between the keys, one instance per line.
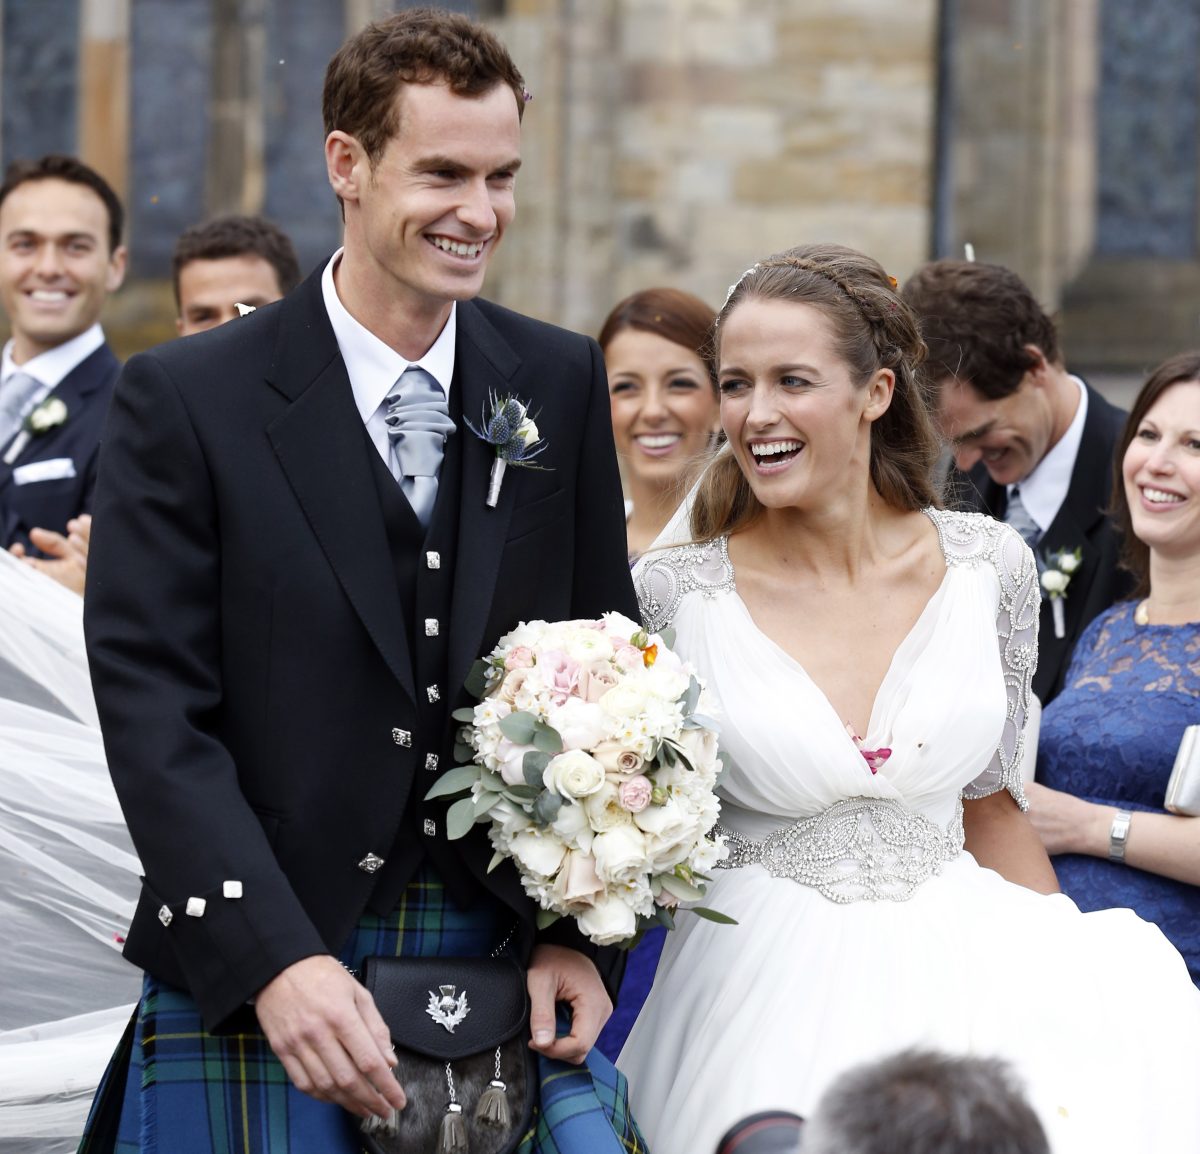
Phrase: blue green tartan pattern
x=190 y=1092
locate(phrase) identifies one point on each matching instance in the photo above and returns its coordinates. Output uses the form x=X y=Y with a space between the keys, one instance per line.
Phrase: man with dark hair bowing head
x=297 y=568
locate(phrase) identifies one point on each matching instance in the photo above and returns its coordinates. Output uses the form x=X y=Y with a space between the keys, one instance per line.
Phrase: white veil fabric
x=68 y=873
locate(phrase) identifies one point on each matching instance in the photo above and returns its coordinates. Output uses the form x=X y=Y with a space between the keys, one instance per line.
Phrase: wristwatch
x=1118 y=835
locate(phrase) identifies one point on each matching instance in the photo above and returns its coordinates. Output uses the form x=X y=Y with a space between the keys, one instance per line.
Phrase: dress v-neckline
x=903 y=644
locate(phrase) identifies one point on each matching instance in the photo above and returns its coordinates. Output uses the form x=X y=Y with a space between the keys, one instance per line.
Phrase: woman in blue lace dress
x=1108 y=741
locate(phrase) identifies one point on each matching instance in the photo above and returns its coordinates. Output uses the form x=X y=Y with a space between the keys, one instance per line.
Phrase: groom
x=284 y=601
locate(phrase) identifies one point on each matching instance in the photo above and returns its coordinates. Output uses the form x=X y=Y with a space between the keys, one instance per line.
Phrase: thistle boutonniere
x=51 y=413
x=1056 y=576
x=511 y=431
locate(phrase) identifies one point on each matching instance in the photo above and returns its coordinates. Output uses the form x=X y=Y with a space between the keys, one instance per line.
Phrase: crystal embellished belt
x=860 y=849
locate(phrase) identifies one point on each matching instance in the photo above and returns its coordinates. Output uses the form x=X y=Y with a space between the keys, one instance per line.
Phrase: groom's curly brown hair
x=415 y=46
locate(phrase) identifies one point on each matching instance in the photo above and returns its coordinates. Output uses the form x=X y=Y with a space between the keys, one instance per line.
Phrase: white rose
x=604 y=809
x=510 y=761
x=608 y=921
x=1068 y=563
x=671 y=833
x=573 y=828
x=700 y=746
x=537 y=851
x=620 y=854
x=588 y=646
x=47 y=415
x=620 y=626
x=580 y=724
x=573 y=774
x=527 y=431
x=628 y=699
x=1054 y=582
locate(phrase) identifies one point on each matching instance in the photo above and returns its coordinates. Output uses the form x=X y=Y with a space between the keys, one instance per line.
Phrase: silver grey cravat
x=1018 y=517
x=15 y=396
x=418 y=423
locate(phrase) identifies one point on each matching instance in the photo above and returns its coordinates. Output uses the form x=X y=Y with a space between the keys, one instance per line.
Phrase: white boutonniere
x=51 y=413
x=1060 y=568
x=511 y=431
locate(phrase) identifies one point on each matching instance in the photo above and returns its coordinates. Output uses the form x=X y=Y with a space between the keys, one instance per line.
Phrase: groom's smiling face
x=432 y=210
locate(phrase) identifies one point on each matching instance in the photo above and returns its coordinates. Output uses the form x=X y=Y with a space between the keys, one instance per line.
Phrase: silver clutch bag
x=1183 y=790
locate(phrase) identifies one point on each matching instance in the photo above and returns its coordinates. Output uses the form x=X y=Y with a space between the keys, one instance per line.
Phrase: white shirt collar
x=373 y=366
x=51 y=366
x=1045 y=489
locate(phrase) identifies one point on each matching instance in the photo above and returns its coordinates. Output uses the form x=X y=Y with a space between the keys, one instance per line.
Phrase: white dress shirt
x=50 y=367
x=374 y=367
x=1045 y=489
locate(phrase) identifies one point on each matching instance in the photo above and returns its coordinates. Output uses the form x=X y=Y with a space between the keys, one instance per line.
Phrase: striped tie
x=1018 y=517
x=15 y=396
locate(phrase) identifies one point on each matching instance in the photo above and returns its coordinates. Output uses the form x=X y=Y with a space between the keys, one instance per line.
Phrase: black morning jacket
x=252 y=671
x=64 y=489
x=1081 y=524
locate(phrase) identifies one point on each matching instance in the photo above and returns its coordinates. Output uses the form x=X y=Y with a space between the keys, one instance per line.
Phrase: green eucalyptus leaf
x=546 y=918
x=533 y=765
x=459 y=818
x=463 y=752
x=684 y=891
x=483 y=803
x=546 y=808
x=519 y=727
x=547 y=739
x=668 y=636
x=690 y=697
x=454 y=781
x=493 y=782
x=713 y=915
x=497 y=858
x=476 y=683
x=465 y=715
x=522 y=793
x=664 y=917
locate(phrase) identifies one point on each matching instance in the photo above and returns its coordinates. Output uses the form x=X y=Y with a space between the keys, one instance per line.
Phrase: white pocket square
x=53 y=470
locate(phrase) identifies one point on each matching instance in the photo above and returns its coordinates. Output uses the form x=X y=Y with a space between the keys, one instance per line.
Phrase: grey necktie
x=418 y=423
x=1018 y=517
x=15 y=397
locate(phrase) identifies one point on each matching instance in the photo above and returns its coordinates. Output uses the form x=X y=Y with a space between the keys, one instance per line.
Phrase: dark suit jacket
x=1081 y=523
x=50 y=504
x=249 y=658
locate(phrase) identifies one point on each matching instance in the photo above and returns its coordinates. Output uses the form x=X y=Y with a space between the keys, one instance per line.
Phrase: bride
x=873 y=657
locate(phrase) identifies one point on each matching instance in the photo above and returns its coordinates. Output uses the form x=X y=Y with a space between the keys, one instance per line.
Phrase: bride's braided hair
x=875 y=329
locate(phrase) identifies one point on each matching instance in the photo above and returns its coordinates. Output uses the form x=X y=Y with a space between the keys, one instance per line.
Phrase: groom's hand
x=557 y=974
x=325 y=1029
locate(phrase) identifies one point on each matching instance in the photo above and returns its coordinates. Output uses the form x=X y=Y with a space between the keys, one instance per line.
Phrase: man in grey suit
x=1033 y=444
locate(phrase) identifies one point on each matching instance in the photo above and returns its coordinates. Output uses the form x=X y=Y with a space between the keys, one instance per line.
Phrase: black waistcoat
x=423 y=561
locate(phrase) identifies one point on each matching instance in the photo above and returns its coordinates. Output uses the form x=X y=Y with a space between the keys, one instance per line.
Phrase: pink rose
x=667 y=900
x=519 y=657
x=595 y=682
x=635 y=793
x=560 y=673
x=629 y=657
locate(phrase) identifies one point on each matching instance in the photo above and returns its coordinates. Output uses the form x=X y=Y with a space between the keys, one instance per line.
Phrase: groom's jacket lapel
x=320 y=442
x=485 y=365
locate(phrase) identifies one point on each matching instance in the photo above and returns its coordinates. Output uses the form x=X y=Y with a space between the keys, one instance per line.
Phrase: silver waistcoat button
x=431 y=626
x=371 y=863
x=429 y=827
x=433 y=560
x=402 y=737
x=431 y=761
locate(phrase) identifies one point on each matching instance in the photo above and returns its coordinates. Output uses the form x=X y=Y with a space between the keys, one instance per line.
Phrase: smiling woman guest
x=1108 y=741
x=664 y=404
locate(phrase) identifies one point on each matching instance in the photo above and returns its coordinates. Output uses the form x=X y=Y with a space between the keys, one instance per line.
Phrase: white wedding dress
x=895 y=936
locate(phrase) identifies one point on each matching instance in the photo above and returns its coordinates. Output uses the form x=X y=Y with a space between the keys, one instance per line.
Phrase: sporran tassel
x=452 y=1138
x=492 y=1109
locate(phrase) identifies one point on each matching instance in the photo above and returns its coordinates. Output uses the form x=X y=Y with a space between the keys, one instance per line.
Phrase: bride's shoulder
x=664 y=577
x=977 y=539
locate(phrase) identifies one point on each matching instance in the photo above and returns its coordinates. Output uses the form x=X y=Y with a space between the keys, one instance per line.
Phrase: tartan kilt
x=191 y=1092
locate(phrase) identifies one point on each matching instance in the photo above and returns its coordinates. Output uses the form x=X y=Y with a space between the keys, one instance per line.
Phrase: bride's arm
x=1002 y=838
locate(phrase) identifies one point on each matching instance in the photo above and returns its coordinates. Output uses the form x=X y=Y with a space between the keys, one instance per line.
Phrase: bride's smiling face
x=798 y=424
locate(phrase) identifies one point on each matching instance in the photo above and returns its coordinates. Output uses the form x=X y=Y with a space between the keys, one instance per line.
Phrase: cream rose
x=1054 y=582
x=573 y=774
x=573 y=827
x=537 y=852
x=579 y=724
x=618 y=760
x=604 y=809
x=577 y=883
x=620 y=854
x=608 y=920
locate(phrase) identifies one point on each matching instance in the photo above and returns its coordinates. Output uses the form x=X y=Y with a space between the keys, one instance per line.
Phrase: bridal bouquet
x=594 y=762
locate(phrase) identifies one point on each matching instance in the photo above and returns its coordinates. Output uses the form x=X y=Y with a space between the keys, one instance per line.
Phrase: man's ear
x=346 y=164
x=1038 y=363
x=115 y=276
